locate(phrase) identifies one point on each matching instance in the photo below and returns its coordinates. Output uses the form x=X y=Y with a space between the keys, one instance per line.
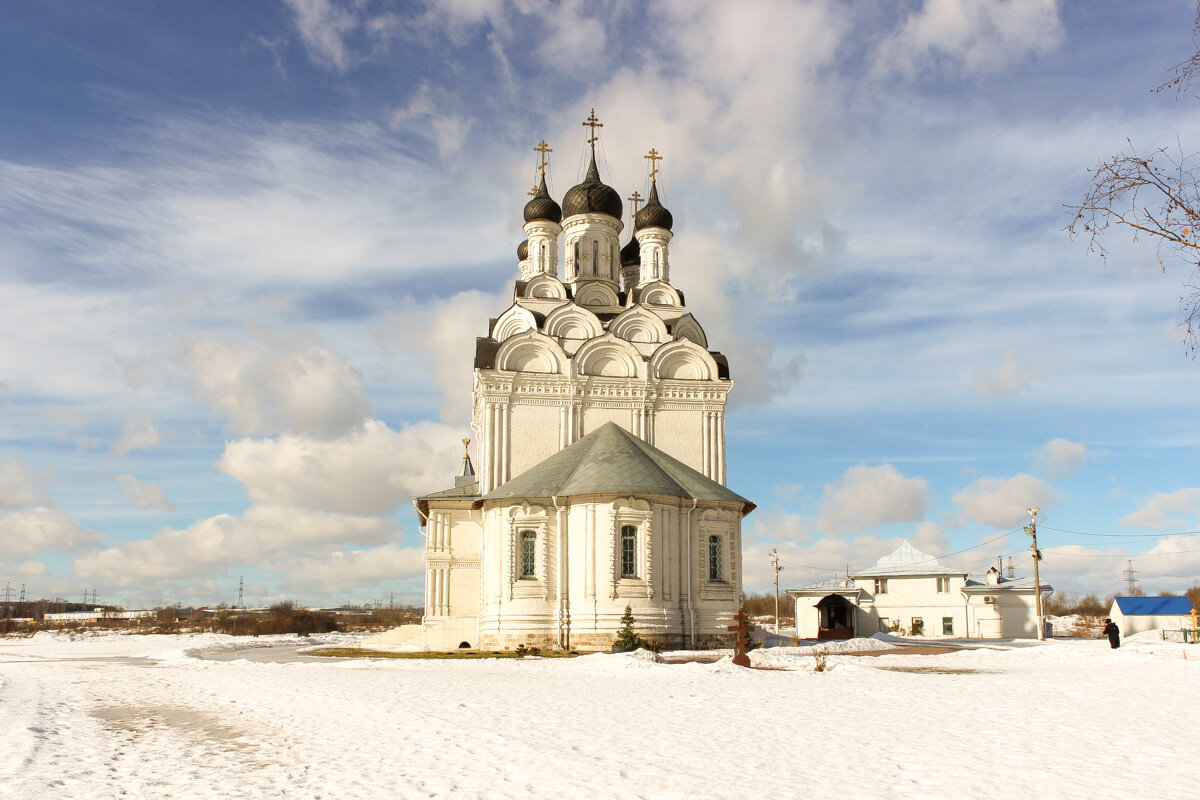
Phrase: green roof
x=610 y=459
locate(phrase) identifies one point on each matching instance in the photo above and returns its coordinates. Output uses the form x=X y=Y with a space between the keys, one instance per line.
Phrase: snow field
x=140 y=717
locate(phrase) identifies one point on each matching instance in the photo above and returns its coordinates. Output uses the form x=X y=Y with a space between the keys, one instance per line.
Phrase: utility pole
x=778 y=568
x=1130 y=581
x=1037 y=581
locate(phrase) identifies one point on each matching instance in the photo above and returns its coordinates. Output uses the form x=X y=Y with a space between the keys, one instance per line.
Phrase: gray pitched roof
x=906 y=560
x=610 y=459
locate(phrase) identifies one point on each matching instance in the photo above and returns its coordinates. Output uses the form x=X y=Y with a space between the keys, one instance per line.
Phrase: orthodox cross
x=533 y=192
x=542 y=150
x=653 y=157
x=742 y=629
x=635 y=200
x=593 y=123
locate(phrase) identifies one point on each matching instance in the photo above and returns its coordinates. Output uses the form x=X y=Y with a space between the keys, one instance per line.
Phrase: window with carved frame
x=629 y=551
x=716 y=566
x=527 y=557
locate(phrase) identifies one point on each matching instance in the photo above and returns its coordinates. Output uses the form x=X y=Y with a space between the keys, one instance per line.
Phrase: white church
x=599 y=414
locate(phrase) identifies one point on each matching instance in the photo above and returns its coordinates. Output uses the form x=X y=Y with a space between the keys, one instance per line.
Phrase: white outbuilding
x=910 y=593
x=1137 y=614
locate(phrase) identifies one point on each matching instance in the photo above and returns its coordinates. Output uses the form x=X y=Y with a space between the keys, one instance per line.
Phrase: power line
x=1120 y=555
x=1125 y=535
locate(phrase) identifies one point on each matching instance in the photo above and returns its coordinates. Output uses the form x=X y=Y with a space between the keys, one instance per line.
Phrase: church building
x=599 y=414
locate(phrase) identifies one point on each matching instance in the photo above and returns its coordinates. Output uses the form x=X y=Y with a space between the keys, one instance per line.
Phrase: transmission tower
x=241 y=592
x=8 y=591
x=1130 y=581
x=22 y=593
x=1011 y=572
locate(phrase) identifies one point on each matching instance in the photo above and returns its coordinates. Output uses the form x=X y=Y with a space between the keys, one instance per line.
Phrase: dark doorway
x=835 y=618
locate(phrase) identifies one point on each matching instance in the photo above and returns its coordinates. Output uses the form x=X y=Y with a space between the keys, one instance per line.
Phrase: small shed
x=1136 y=614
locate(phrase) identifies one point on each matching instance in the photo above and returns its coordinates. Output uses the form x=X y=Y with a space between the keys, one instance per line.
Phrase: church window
x=943 y=585
x=595 y=257
x=542 y=262
x=575 y=261
x=715 y=568
x=528 y=555
x=881 y=586
x=628 y=551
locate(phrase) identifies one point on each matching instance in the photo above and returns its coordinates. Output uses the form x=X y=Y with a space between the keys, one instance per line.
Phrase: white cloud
x=1178 y=509
x=214 y=544
x=18 y=486
x=323 y=26
x=1060 y=458
x=1013 y=376
x=340 y=570
x=140 y=434
x=274 y=387
x=370 y=471
x=29 y=531
x=974 y=36
x=1000 y=502
x=144 y=495
x=868 y=496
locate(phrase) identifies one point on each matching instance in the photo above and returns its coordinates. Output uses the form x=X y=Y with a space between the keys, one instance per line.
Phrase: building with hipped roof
x=910 y=593
x=599 y=412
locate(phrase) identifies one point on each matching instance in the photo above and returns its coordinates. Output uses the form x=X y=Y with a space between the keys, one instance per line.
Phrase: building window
x=595 y=257
x=881 y=586
x=628 y=551
x=918 y=626
x=528 y=555
x=943 y=585
x=885 y=624
x=715 y=569
x=947 y=626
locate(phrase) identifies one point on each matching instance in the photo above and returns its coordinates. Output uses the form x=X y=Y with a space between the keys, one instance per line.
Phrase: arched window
x=628 y=551
x=542 y=262
x=715 y=567
x=528 y=555
x=612 y=260
x=595 y=257
x=575 y=261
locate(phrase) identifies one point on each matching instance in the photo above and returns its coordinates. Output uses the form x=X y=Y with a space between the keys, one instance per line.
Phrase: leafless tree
x=1155 y=195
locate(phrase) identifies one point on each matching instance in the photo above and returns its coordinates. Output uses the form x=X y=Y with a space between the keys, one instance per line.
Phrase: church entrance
x=835 y=618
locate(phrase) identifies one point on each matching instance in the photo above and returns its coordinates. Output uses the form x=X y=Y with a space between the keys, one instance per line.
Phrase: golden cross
x=532 y=192
x=653 y=157
x=542 y=149
x=636 y=200
x=593 y=123
x=466 y=448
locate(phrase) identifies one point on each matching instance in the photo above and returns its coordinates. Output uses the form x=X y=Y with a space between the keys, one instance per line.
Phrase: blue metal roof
x=1150 y=606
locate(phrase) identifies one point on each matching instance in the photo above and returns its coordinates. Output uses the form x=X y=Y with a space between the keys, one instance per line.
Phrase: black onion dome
x=592 y=196
x=542 y=206
x=653 y=215
x=631 y=254
x=523 y=250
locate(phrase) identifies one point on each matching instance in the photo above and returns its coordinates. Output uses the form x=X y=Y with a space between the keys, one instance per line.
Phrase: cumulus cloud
x=1000 y=502
x=974 y=36
x=1059 y=458
x=140 y=434
x=868 y=496
x=1178 y=509
x=214 y=544
x=1012 y=376
x=18 y=486
x=369 y=471
x=334 y=571
x=269 y=387
x=29 y=531
x=144 y=495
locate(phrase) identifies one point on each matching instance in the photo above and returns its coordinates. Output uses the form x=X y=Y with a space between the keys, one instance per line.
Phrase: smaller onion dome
x=523 y=250
x=653 y=215
x=631 y=254
x=592 y=196
x=542 y=206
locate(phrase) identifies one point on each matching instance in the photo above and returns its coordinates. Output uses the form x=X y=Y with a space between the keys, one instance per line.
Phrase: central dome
x=592 y=196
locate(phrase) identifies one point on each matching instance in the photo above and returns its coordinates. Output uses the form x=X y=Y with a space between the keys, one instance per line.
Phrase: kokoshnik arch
x=599 y=410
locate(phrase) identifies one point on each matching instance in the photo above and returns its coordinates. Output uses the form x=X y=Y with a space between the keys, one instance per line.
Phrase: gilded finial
x=532 y=192
x=543 y=150
x=653 y=157
x=593 y=123
x=466 y=451
x=635 y=200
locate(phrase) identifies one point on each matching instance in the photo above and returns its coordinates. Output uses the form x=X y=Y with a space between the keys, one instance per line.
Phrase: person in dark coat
x=1113 y=634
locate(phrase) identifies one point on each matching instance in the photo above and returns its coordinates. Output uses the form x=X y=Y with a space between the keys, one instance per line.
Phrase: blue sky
x=245 y=250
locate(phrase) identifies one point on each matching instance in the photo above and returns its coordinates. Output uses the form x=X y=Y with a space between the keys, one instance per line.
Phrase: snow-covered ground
x=144 y=717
